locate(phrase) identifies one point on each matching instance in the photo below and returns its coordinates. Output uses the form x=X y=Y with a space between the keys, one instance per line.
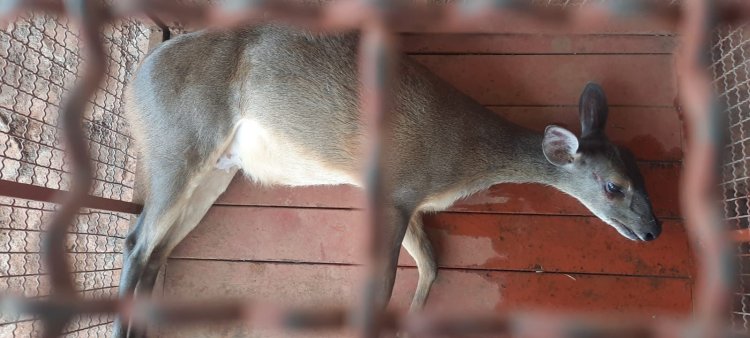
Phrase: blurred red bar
x=43 y=194
x=741 y=236
x=375 y=64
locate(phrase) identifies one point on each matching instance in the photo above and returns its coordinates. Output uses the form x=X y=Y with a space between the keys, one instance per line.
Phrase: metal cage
x=68 y=278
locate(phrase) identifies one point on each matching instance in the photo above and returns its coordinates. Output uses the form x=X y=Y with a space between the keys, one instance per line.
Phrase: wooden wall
x=511 y=247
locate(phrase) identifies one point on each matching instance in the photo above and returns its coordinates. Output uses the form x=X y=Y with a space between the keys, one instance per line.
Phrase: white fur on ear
x=559 y=145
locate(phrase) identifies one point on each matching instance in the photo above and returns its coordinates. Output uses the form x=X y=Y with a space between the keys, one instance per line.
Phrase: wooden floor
x=512 y=247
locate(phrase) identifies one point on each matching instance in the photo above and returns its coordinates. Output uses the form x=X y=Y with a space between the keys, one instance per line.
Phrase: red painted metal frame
x=372 y=17
x=710 y=240
x=741 y=236
x=43 y=194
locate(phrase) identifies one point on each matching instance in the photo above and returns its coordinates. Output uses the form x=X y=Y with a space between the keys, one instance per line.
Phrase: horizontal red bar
x=42 y=194
x=741 y=236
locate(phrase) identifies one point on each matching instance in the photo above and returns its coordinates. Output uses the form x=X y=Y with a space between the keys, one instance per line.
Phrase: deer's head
x=603 y=176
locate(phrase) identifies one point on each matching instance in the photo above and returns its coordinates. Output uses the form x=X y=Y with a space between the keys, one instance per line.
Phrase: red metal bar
x=734 y=12
x=10 y=10
x=90 y=17
x=699 y=182
x=377 y=62
x=741 y=236
x=710 y=241
x=337 y=16
x=450 y=323
x=43 y=194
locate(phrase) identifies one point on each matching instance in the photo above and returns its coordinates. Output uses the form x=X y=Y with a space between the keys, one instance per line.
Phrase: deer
x=282 y=106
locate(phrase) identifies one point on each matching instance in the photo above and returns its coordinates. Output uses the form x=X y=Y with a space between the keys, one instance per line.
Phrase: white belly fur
x=267 y=158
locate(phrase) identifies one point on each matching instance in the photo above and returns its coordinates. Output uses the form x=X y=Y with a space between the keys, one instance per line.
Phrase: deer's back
x=193 y=92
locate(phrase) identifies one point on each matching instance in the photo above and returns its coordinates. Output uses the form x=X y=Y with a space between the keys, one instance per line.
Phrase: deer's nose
x=653 y=232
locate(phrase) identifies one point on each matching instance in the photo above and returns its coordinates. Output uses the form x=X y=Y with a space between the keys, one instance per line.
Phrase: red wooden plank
x=577 y=244
x=536 y=44
x=462 y=240
x=513 y=23
x=244 y=192
x=521 y=80
x=662 y=181
x=652 y=134
x=455 y=290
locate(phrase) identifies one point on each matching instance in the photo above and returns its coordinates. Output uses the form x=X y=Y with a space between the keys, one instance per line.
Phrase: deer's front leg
x=382 y=275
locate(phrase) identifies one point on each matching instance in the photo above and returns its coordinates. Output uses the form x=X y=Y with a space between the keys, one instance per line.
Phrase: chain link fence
x=731 y=70
x=39 y=64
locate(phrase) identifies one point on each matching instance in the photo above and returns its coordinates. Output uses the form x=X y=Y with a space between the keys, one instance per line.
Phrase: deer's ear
x=559 y=145
x=593 y=111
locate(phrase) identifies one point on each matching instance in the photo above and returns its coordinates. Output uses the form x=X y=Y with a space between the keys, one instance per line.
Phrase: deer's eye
x=613 y=189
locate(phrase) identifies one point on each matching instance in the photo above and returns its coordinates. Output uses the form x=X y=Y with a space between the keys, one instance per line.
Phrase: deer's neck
x=517 y=157
x=528 y=165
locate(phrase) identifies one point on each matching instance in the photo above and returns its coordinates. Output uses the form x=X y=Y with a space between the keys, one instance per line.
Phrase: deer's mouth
x=625 y=231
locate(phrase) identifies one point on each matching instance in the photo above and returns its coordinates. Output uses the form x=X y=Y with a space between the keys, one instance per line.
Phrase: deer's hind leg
x=173 y=210
x=418 y=245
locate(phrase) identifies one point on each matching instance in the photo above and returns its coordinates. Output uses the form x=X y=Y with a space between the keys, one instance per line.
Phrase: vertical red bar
x=377 y=60
x=702 y=161
x=90 y=17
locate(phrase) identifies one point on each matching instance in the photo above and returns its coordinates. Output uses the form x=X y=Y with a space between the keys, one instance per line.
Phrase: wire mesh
x=94 y=245
x=731 y=70
x=104 y=138
x=39 y=63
